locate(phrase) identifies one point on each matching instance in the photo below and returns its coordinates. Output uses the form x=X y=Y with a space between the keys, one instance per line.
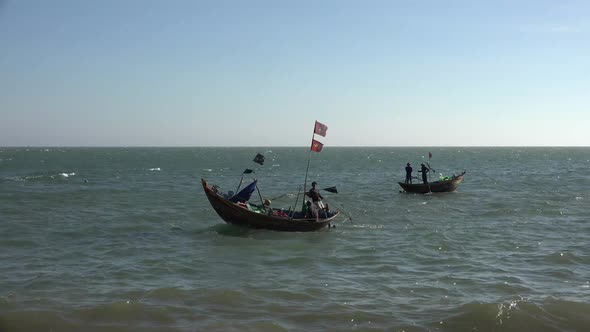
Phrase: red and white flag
x=320 y=129
x=316 y=146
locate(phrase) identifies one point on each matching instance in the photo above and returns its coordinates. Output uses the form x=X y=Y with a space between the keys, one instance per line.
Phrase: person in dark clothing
x=312 y=210
x=424 y=170
x=408 y=173
x=315 y=196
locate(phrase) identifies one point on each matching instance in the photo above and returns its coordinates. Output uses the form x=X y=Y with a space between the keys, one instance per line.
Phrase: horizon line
x=292 y=146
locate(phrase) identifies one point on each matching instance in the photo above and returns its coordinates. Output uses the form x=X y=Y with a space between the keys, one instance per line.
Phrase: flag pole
x=239 y=185
x=307 y=169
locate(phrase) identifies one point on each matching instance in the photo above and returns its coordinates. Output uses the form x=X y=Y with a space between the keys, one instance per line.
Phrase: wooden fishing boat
x=442 y=186
x=259 y=216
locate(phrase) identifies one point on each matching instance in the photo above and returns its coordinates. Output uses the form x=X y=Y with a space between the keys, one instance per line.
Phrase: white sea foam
x=67 y=175
x=208 y=169
x=15 y=178
x=155 y=169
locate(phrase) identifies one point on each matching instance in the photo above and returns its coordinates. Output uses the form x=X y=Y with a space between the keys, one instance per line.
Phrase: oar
x=331 y=190
x=427 y=182
x=341 y=211
x=430 y=168
x=283 y=195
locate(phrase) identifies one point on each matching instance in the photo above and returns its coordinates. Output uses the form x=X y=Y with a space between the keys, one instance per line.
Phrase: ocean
x=124 y=239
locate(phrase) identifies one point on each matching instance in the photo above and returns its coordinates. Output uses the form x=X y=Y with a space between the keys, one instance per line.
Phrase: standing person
x=424 y=170
x=315 y=196
x=408 y=173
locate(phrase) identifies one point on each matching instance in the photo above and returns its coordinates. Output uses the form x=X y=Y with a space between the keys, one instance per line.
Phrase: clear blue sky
x=259 y=73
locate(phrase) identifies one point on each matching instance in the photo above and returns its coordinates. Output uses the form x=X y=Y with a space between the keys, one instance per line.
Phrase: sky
x=260 y=73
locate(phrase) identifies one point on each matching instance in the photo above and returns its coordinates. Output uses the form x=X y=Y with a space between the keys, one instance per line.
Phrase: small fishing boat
x=442 y=186
x=241 y=212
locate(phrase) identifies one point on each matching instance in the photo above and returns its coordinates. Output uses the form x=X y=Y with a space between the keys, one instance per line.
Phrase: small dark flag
x=429 y=155
x=248 y=171
x=331 y=189
x=259 y=159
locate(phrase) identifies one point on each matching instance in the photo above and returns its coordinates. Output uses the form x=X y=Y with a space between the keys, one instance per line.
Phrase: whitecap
x=65 y=175
x=208 y=169
x=155 y=169
x=16 y=178
x=276 y=165
x=578 y=198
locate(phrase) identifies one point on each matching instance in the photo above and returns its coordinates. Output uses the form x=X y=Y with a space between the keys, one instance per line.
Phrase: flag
x=429 y=155
x=259 y=159
x=248 y=171
x=316 y=146
x=320 y=129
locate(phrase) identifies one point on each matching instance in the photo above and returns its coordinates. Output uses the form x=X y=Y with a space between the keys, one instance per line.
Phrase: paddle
x=427 y=182
x=331 y=190
x=339 y=208
x=430 y=168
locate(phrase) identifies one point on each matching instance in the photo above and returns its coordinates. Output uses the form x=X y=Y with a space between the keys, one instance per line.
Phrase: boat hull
x=237 y=215
x=435 y=187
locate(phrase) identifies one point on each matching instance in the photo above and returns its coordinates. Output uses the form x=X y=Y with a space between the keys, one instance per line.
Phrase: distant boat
x=442 y=186
x=260 y=216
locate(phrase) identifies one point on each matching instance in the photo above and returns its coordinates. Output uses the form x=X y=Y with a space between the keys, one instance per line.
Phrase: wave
x=519 y=315
x=155 y=169
x=40 y=177
x=225 y=309
x=67 y=175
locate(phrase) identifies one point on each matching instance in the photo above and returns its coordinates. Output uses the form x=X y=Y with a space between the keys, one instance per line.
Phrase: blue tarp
x=244 y=194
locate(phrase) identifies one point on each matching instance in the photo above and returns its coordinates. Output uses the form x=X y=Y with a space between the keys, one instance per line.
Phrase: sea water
x=124 y=239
